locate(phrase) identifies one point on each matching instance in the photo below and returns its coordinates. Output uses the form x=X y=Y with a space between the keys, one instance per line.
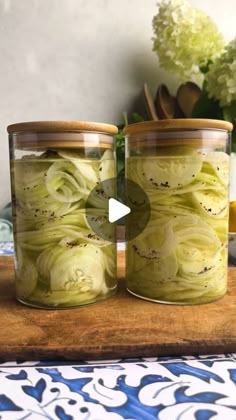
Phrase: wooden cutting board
x=121 y=327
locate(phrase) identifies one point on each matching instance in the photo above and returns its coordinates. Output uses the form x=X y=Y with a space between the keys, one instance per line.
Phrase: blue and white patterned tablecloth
x=184 y=388
x=6 y=248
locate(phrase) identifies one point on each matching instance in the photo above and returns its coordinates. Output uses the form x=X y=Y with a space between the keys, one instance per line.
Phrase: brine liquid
x=181 y=256
x=60 y=262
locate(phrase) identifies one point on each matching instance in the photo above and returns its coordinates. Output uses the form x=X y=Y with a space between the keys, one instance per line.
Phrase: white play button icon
x=103 y=209
x=117 y=210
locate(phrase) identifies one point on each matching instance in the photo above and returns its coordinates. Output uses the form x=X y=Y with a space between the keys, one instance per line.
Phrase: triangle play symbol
x=117 y=210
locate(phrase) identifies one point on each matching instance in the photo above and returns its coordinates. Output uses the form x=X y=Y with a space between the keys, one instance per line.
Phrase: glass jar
x=183 y=166
x=59 y=261
x=232 y=212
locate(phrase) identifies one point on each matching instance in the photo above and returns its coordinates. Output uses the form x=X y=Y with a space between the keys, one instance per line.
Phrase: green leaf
x=120 y=139
x=125 y=118
x=120 y=166
x=137 y=117
x=204 y=69
x=233 y=144
x=229 y=112
x=207 y=107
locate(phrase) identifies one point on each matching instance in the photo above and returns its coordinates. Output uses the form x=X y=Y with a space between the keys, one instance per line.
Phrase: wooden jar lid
x=62 y=134
x=177 y=124
x=61 y=126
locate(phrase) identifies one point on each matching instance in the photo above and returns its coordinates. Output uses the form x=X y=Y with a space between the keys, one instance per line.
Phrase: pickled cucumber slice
x=153 y=244
x=106 y=169
x=65 y=183
x=211 y=202
x=165 y=172
x=26 y=273
x=219 y=162
x=107 y=172
x=88 y=168
x=78 y=268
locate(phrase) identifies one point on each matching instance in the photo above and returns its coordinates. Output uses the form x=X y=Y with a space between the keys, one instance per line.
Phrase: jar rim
x=178 y=124
x=61 y=126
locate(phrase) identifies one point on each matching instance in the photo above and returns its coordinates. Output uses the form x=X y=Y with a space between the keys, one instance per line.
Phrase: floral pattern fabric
x=6 y=248
x=163 y=388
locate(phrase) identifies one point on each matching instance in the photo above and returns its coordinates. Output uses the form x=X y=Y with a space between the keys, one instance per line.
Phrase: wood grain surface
x=122 y=326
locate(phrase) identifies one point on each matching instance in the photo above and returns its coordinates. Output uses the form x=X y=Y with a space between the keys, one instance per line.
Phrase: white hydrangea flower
x=221 y=77
x=185 y=39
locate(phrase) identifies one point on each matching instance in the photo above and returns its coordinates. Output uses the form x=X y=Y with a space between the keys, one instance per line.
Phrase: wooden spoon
x=149 y=103
x=166 y=104
x=187 y=95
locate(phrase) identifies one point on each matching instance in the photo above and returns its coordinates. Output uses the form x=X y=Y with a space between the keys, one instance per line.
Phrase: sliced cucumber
x=211 y=203
x=164 y=172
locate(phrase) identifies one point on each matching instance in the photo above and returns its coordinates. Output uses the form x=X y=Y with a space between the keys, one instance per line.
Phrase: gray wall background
x=79 y=59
